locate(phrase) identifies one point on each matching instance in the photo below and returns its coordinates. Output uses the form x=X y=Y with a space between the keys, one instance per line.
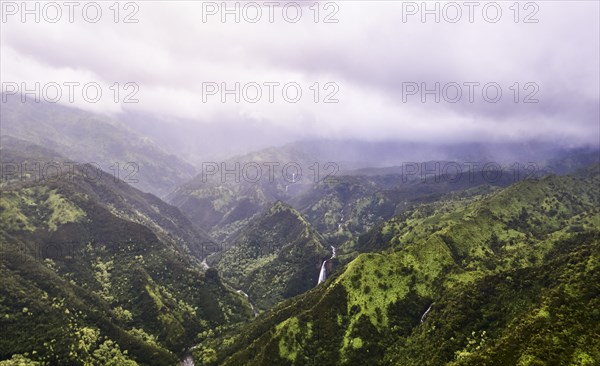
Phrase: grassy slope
x=276 y=256
x=81 y=269
x=439 y=253
x=93 y=138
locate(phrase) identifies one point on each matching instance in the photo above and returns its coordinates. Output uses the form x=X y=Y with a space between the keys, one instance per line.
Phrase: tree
x=109 y=354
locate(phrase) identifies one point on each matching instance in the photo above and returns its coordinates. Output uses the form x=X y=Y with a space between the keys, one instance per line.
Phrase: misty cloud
x=370 y=54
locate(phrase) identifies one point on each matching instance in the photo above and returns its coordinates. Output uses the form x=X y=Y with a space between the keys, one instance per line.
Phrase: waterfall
x=204 y=264
x=251 y=305
x=187 y=361
x=425 y=313
x=323 y=273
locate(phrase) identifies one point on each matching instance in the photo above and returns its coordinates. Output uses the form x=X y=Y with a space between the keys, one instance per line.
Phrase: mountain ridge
x=277 y=255
x=371 y=309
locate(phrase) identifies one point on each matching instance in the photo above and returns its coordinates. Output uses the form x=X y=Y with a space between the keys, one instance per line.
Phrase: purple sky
x=371 y=55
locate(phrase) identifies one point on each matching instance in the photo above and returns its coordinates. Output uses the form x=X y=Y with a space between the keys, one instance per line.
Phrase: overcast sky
x=372 y=58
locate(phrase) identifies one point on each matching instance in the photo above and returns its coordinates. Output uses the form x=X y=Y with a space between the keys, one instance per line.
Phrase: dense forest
x=96 y=272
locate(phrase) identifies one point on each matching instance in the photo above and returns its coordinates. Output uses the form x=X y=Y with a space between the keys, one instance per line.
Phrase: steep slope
x=340 y=203
x=509 y=277
x=92 y=138
x=241 y=187
x=26 y=162
x=276 y=256
x=350 y=205
x=96 y=272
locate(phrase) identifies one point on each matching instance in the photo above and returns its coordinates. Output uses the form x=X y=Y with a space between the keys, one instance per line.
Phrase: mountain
x=429 y=270
x=97 y=272
x=504 y=277
x=342 y=202
x=96 y=139
x=350 y=205
x=121 y=199
x=225 y=195
x=276 y=256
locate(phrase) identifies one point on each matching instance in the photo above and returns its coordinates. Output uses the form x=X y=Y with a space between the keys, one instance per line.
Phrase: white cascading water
x=323 y=273
x=425 y=313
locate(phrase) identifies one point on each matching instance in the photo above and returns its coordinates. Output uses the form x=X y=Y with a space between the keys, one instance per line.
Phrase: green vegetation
x=91 y=279
x=29 y=208
x=224 y=205
x=510 y=277
x=91 y=138
x=99 y=273
x=276 y=256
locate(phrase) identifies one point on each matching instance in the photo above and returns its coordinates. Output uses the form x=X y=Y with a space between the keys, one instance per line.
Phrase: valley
x=378 y=265
x=311 y=183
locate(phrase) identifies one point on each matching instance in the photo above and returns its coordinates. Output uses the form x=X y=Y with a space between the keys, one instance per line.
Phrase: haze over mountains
x=85 y=276
x=96 y=139
x=478 y=278
x=201 y=183
x=159 y=165
x=95 y=270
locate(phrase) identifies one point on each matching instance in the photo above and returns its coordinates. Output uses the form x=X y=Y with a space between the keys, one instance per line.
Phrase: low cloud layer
x=373 y=64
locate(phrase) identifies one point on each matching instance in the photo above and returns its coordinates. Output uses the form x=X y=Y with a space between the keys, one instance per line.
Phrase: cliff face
x=276 y=256
x=507 y=276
